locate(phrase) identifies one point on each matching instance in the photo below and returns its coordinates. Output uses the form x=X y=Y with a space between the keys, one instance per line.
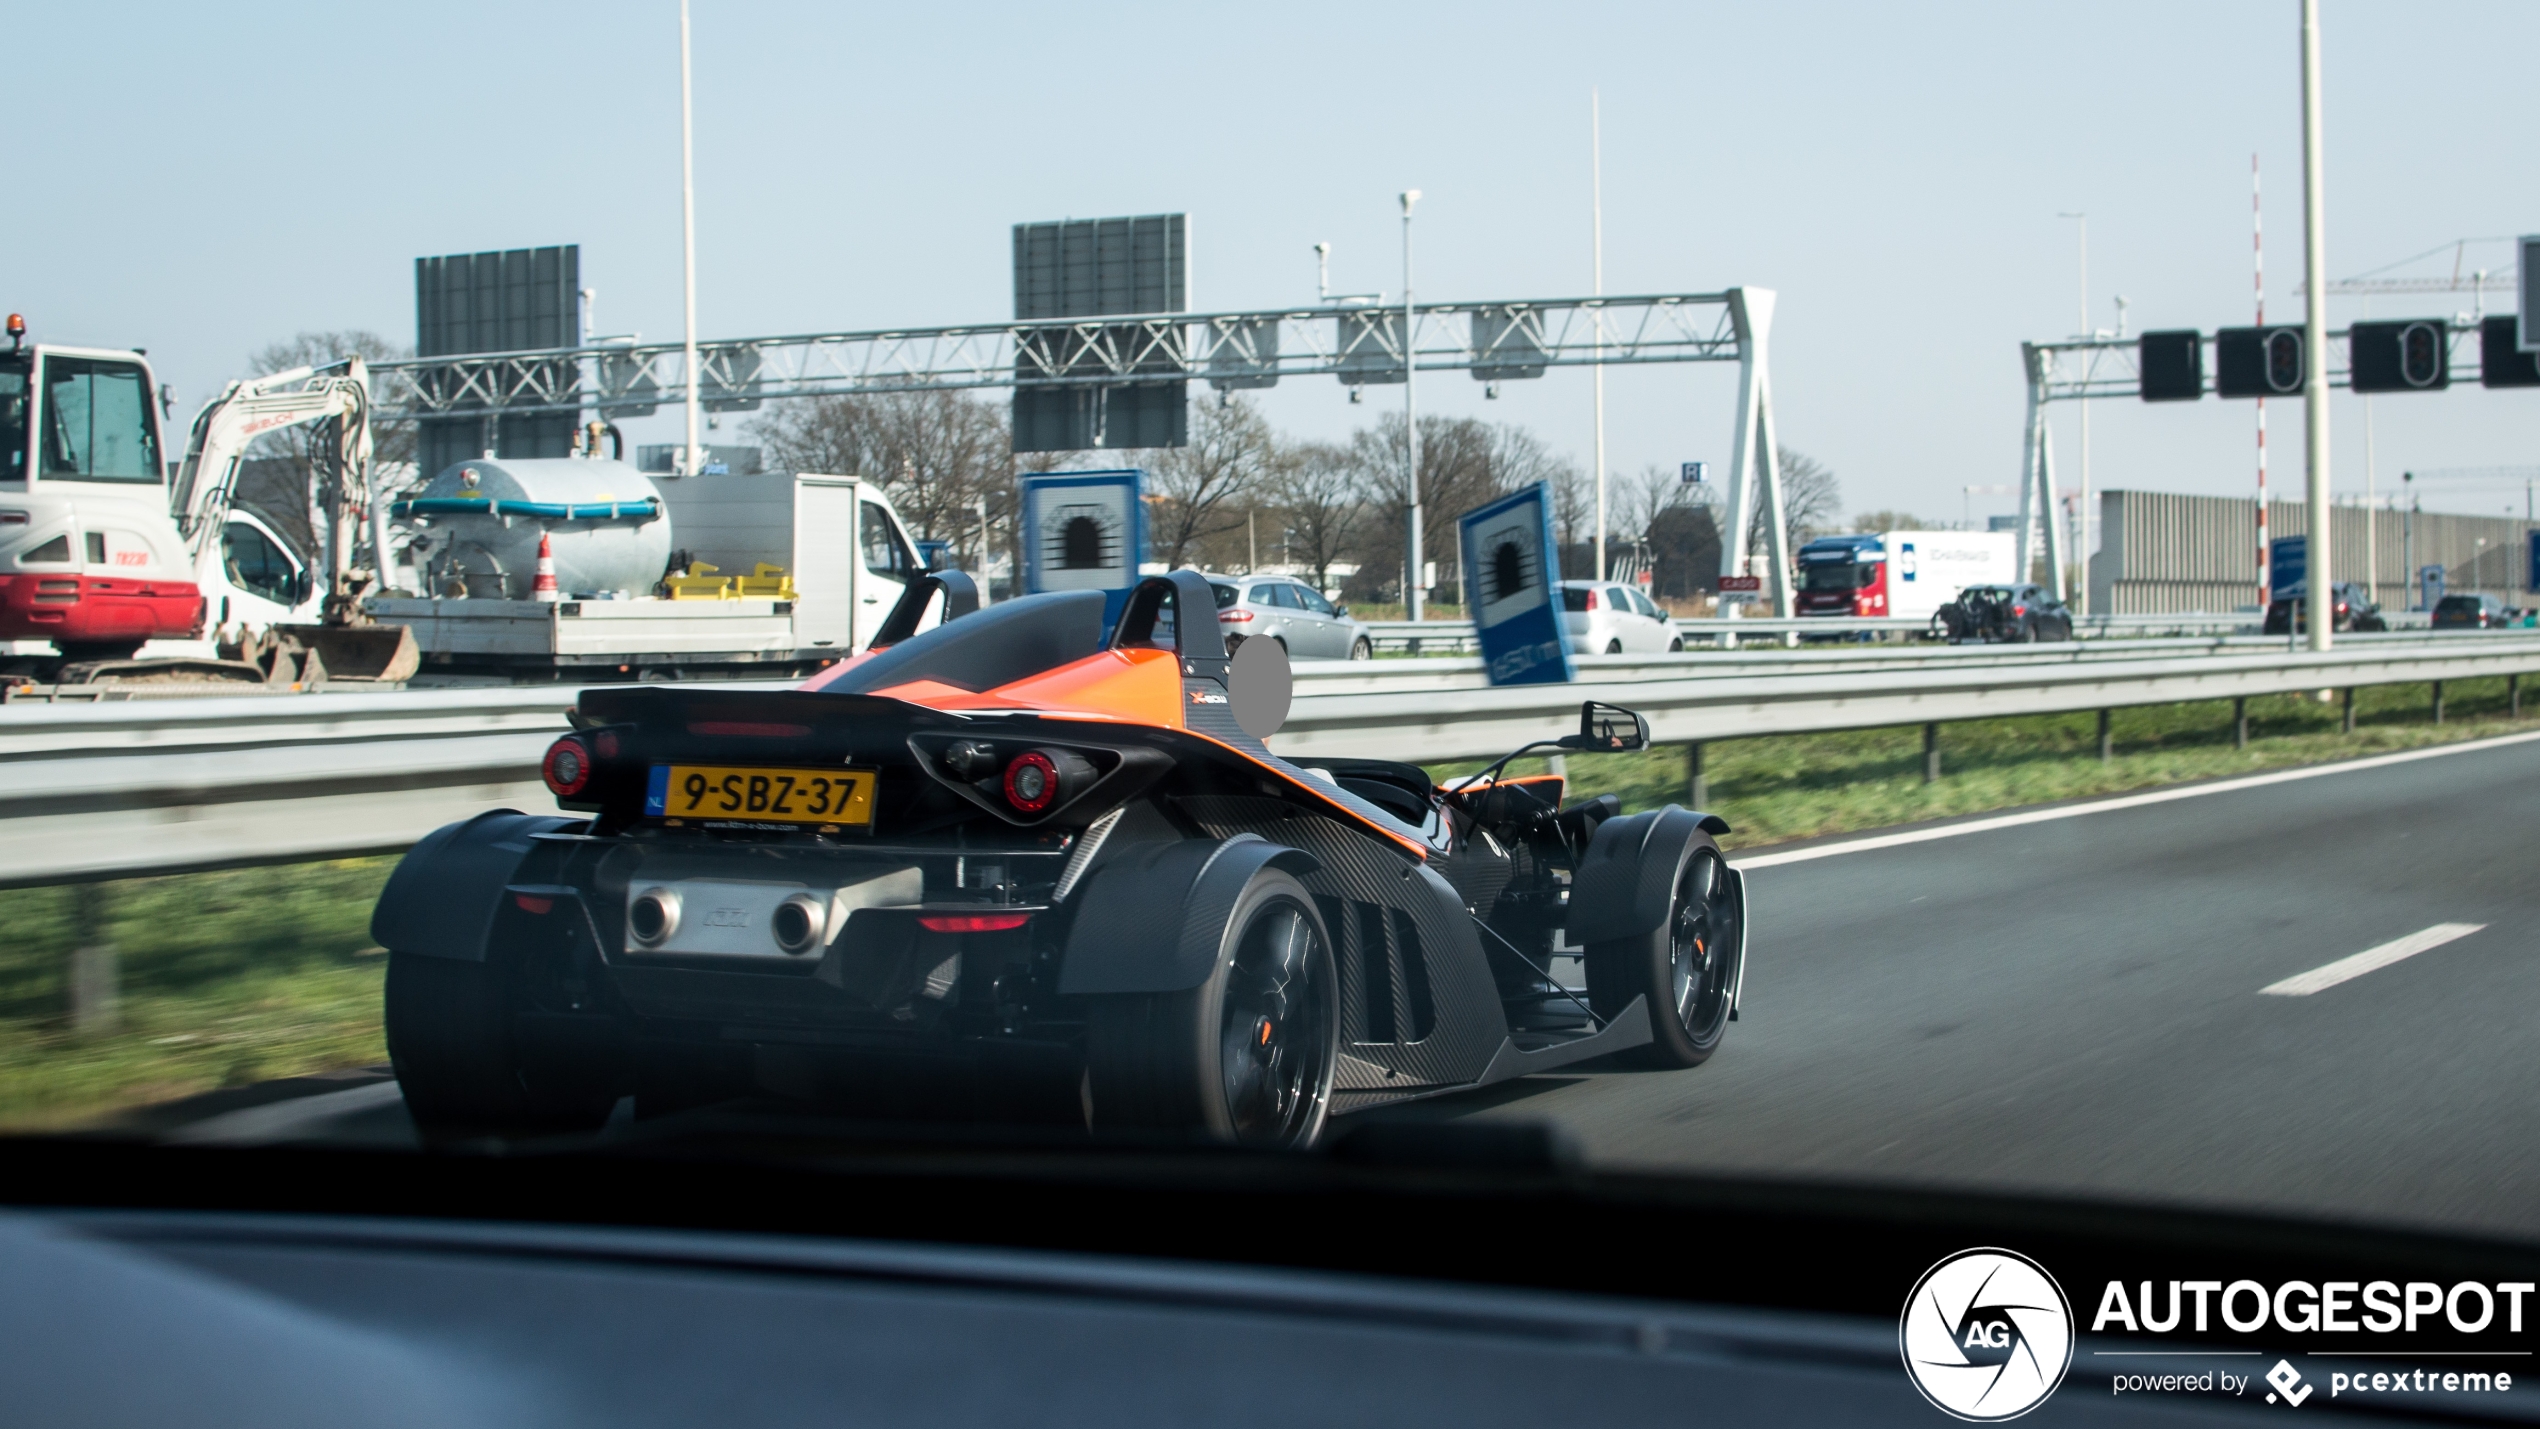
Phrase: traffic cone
x=544 y=587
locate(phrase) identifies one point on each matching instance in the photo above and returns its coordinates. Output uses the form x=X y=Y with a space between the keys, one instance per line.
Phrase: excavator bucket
x=383 y=654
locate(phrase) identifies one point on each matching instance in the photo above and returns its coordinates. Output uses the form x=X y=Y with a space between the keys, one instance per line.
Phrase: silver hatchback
x=1290 y=612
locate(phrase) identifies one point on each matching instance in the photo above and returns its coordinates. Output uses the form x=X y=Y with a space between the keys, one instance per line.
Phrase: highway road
x=2077 y=1000
x=2077 y=1004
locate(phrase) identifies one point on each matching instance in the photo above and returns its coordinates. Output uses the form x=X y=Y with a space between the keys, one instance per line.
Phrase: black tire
x=449 y=1026
x=1613 y=647
x=1246 y=1056
x=1676 y=646
x=1362 y=649
x=1686 y=967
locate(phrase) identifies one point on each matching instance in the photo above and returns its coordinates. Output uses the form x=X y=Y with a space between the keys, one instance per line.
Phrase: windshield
x=1844 y=577
x=97 y=423
x=14 y=395
x=1639 y=731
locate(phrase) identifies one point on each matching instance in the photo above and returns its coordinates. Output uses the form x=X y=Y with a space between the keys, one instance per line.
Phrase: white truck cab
x=93 y=563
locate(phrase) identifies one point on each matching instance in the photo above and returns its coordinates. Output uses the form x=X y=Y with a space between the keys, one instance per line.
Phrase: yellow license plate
x=716 y=793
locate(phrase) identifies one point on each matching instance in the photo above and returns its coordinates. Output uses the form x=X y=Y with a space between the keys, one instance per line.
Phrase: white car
x=1607 y=618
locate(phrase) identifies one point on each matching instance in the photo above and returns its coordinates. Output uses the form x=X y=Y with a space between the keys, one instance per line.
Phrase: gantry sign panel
x=1098 y=267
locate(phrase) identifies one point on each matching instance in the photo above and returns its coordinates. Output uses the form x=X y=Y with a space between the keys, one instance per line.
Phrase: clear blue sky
x=201 y=180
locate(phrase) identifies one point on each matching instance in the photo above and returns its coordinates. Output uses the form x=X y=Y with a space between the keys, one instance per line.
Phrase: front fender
x=1153 y=916
x=440 y=902
x=1627 y=879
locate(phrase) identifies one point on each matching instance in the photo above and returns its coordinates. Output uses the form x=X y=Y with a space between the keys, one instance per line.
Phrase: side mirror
x=1607 y=729
x=1342 y=611
x=303 y=585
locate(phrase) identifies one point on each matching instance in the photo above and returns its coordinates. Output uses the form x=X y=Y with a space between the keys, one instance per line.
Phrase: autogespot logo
x=1986 y=1335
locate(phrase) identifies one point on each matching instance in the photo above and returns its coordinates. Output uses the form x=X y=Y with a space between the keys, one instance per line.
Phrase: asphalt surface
x=2074 y=1004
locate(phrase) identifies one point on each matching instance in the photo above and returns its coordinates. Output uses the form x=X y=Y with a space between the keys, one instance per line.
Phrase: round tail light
x=567 y=767
x=1031 y=782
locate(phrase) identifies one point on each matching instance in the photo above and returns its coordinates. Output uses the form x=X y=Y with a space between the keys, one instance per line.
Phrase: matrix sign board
x=1084 y=530
x=1511 y=569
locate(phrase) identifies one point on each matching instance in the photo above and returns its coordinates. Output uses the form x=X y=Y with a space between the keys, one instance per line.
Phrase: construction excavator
x=117 y=565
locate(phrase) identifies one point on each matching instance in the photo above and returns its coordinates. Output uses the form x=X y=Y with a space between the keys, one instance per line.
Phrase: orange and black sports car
x=1023 y=867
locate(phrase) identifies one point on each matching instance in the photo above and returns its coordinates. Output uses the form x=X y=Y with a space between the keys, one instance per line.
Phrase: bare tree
x=1322 y=497
x=938 y=454
x=1873 y=522
x=1812 y=502
x=1463 y=463
x=1204 y=489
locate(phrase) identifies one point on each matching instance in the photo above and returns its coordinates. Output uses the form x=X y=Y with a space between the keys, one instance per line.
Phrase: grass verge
x=226 y=979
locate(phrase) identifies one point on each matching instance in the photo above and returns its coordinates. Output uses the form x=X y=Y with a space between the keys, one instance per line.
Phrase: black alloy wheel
x=1247 y=1056
x=1275 y=1040
x=1687 y=968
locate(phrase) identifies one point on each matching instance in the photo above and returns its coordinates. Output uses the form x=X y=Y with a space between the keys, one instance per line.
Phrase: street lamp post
x=692 y=461
x=2318 y=573
x=1411 y=576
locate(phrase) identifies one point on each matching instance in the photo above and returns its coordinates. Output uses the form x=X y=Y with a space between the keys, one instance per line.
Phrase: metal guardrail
x=117 y=790
x=1455 y=637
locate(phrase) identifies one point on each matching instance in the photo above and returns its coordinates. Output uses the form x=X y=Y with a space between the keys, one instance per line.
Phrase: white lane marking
x=2329 y=975
x=1764 y=858
x=280 y=1121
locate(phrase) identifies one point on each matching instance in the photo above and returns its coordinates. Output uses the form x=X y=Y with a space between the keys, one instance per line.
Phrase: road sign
x=1741 y=583
x=1511 y=569
x=2534 y=582
x=2288 y=566
x=1084 y=530
x=2429 y=587
x=1697 y=473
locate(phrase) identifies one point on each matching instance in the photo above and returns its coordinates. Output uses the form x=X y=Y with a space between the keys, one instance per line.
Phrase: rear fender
x=440 y=902
x=1153 y=916
x=1627 y=878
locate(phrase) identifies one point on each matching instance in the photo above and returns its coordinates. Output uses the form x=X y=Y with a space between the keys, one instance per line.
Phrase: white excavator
x=109 y=553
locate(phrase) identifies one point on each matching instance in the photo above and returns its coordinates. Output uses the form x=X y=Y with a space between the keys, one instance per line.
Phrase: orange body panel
x=1140 y=686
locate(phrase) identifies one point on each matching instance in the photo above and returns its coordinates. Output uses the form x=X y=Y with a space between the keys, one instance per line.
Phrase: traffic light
x=2258 y=361
x=2173 y=365
x=2501 y=361
x=2411 y=355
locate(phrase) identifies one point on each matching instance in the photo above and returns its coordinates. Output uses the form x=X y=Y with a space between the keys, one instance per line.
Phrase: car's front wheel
x=1248 y=1055
x=1362 y=649
x=1676 y=646
x=1686 y=968
x=1613 y=647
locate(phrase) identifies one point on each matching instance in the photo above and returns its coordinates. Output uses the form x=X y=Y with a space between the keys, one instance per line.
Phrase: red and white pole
x=2258 y=257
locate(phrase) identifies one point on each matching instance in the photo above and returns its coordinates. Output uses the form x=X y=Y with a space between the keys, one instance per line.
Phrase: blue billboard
x=1084 y=530
x=2289 y=567
x=1512 y=573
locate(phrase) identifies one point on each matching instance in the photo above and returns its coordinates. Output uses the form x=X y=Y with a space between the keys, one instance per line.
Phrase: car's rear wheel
x=451 y=1027
x=1246 y=1056
x=1686 y=968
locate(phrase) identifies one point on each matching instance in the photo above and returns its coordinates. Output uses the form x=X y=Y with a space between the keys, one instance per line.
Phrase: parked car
x=2356 y=610
x=1609 y=618
x=1306 y=625
x=2018 y=614
x=2473 y=612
